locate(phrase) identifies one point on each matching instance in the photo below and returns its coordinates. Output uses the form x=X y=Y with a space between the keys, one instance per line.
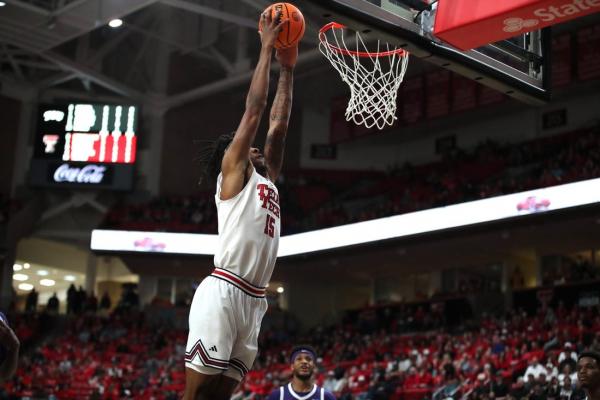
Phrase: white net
x=373 y=76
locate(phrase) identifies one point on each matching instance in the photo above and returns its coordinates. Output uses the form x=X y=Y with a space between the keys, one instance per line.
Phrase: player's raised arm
x=280 y=112
x=235 y=159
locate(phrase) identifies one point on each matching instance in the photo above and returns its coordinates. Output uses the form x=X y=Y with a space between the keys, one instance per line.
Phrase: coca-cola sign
x=47 y=173
x=88 y=174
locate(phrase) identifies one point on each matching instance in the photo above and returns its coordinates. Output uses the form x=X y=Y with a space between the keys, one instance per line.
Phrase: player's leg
x=249 y=313
x=224 y=388
x=210 y=339
x=199 y=386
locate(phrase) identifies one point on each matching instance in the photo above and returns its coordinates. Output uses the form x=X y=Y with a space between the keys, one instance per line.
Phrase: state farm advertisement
x=466 y=27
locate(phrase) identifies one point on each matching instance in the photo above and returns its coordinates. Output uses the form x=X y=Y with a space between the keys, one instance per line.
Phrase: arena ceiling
x=166 y=53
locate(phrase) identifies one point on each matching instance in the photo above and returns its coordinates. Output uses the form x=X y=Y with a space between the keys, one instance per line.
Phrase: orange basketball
x=293 y=30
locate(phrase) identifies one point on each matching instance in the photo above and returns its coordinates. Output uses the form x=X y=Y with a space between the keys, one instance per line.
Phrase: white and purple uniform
x=287 y=393
x=229 y=304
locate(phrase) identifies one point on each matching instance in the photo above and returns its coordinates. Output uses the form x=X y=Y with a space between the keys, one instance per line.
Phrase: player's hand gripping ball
x=293 y=28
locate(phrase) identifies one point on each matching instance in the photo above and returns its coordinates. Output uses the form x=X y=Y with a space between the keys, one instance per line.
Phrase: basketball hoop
x=373 y=77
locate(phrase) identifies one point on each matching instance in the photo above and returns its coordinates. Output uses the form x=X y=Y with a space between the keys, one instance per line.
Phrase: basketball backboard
x=518 y=67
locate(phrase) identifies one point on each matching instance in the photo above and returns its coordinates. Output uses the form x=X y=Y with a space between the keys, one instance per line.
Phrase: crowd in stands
x=175 y=214
x=394 y=352
x=515 y=356
x=578 y=269
x=79 y=302
x=316 y=199
x=114 y=357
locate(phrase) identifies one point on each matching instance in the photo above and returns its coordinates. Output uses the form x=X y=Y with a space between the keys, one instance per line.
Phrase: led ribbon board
x=458 y=215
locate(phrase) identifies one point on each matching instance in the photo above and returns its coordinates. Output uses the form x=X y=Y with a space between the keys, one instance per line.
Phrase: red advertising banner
x=588 y=53
x=464 y=93
x=562 y=60
x=466 y=25
x=437 y=102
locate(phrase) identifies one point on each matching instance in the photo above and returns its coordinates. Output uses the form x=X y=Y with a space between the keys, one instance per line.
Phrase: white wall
x=504 y=123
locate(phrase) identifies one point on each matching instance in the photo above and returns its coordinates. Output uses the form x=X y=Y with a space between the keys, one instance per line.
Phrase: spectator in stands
x=105 y=302
x=538 y=392
x=129 y=297
x=568 y=354
x=32 y=301
x=534 y=370
x=71 y=298
x=567 y=372
x=80 y=300
x=588 y=374
x=519 y=390
x=329 y=382
x=553 y=389
x=552 y=370
x=566 y=388
x=498 y=388
x=53 y=304
x=404 y=363
x=91 y=304
x=9 y=350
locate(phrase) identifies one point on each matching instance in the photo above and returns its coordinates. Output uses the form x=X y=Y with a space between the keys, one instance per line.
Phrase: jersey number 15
x=270 y=226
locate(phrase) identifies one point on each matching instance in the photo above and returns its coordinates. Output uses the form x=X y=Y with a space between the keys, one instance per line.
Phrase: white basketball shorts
x=225 y=319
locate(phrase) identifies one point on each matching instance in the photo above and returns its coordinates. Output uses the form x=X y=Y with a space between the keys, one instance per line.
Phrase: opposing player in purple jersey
x=302 y=385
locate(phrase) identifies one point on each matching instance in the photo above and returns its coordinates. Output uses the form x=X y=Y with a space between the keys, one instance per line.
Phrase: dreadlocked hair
x=210 y=157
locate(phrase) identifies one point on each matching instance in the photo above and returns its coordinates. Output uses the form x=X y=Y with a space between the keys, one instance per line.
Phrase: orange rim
x=336 y=25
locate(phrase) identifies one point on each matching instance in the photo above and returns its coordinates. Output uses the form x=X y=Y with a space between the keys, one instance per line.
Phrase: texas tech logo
x=269 y=201
x=516 y=24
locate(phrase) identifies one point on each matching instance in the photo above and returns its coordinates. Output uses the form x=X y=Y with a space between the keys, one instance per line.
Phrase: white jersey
x=249 y=227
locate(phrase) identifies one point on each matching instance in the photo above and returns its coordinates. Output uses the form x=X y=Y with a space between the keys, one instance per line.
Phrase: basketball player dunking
x=302 y=385
x=229 y=305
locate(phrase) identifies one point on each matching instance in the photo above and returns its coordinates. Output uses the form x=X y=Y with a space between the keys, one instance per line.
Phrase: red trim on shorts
x=239 y=282
x=205 y=358
x=239 y=365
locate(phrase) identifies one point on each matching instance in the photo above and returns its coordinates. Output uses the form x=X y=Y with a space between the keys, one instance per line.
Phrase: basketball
x=293 y=30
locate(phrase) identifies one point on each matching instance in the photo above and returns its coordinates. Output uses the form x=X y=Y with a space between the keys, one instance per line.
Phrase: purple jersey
x=287 y=393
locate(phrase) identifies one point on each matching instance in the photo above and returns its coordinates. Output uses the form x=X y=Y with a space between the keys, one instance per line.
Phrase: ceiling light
x=2 y=3
x=20 y=277
x=25 y=286
x=42 y=272
x=280 y=289
x=26 y=266
x=70 y=278
x=47 y=282
x=17 y=267
x=115 y=23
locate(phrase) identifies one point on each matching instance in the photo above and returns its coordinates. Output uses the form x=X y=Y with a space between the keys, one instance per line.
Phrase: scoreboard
x=85 y=145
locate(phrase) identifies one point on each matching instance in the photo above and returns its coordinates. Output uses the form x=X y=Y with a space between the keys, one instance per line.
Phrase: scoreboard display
x=85 y=145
